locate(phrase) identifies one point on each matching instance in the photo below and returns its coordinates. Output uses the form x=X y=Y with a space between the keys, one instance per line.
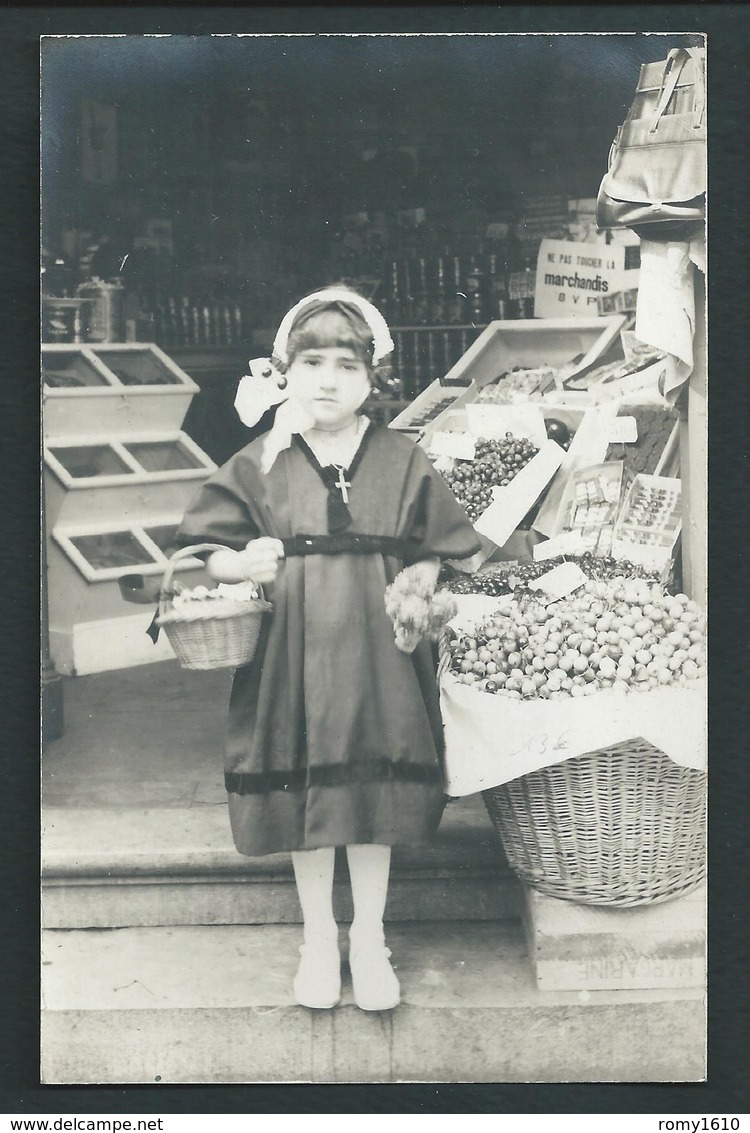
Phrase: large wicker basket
x=219 y=634
x=620 y=826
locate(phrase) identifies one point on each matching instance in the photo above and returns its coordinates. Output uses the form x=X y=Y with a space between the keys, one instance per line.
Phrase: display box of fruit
x=555 y=345
x=518 y=386
x=500 y=478
x=430 y=404
x=649 y=524
x=530 y=682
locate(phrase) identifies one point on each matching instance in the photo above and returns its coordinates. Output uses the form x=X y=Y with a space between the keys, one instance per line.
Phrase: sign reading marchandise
x=571 y=277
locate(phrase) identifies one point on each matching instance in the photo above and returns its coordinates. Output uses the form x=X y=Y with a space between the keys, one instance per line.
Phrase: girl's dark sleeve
x=221 y=510
x=439 y=526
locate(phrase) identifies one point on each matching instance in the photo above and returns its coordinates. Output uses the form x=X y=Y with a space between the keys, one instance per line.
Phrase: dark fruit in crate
x=495 y=464
x=557 y=431
x=505 y=578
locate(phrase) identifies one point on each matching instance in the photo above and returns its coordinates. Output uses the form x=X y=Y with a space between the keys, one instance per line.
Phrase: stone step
x=213 y=1004
x=591 y=947
x=115 y=867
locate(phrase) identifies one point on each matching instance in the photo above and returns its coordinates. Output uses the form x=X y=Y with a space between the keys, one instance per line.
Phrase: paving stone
x=210 y=1005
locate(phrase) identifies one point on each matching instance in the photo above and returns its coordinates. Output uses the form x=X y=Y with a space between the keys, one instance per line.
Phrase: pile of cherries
x=495 y=464
x=505 y=578
x=624 y=634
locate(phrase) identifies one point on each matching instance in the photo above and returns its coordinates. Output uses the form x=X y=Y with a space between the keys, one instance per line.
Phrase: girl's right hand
x=260 y=559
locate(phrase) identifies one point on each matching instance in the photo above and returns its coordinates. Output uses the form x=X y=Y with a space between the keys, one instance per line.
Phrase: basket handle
x=187 y=553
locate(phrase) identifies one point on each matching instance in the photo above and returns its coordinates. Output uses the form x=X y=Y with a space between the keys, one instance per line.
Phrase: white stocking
x=369 y=867
x=313 y=872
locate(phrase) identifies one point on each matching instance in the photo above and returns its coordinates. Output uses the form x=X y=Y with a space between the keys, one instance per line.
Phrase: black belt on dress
x=347 y=543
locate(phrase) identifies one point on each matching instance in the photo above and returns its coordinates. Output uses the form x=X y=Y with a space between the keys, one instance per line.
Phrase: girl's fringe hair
x=334 y=322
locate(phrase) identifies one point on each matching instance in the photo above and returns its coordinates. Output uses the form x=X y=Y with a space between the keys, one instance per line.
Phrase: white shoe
x=318 y=979
x=374 y=981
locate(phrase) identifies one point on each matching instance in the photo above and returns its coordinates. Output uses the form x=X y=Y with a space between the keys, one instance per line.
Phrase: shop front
x=553 y=370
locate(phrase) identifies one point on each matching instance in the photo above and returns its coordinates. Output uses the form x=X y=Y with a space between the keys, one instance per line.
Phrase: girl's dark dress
x=334 y=735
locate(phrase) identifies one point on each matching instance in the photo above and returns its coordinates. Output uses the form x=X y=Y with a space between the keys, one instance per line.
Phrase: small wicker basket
x=218 y=634
x=621 y=826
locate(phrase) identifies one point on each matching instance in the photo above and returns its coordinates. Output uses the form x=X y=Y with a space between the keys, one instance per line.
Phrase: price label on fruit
x=495 y=422
x=461 y=446
x=622 y=430
x=566 y=543
x=560 y=581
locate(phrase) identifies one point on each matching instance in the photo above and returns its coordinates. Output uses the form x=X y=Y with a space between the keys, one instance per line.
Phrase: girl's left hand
x=427 y=570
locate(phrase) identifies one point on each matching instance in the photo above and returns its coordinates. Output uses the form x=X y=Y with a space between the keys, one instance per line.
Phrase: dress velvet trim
x=347 y=543
x=331 y=775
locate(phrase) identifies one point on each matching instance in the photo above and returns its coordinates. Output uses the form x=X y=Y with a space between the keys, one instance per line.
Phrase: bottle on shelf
x=474 y=288
x=497 y=287
x=407 y=294
x=421 y=293
x=392 y=297
x=439 y=294
x=456 y=304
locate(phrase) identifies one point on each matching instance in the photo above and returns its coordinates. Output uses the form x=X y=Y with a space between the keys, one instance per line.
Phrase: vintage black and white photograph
x=374 y=558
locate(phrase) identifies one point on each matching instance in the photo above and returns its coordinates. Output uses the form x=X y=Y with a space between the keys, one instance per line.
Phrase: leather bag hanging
x=656 y=180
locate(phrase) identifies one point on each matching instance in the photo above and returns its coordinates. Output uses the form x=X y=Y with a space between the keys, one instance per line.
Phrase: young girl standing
x=334 y=736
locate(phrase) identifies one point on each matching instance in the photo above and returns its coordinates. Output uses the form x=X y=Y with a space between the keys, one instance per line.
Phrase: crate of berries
x=500 y=476
x=575 y=702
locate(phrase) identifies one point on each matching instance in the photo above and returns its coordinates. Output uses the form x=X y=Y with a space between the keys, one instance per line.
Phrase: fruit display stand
x=587 y=742
x=118 y=474
x=503 y=345
x=429 y=404
x=128 y=387
x=92 y=629
x=88 y=479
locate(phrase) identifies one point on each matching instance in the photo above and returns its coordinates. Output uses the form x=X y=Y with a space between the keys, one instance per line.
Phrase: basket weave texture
x=620 y=826
x=215 y=634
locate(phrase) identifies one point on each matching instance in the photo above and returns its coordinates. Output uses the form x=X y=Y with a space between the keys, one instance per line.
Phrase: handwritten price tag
x=494 y=421
x=561 y=580
x=622 y=431
x=567 y=543
x=460 y=446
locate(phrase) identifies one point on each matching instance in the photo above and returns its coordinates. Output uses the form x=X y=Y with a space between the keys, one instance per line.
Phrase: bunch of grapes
x=495 y=464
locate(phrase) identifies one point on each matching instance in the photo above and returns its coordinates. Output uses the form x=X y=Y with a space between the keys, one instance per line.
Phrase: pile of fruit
x=183 y=598
x=507 y=578
x=495 y=464
x=518 y=386
x=624 y=634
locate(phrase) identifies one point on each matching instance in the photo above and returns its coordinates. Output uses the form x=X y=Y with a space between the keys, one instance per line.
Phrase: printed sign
x=572 y=277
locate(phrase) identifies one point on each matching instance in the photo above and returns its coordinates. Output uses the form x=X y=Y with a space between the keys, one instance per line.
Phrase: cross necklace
x=342 y=483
